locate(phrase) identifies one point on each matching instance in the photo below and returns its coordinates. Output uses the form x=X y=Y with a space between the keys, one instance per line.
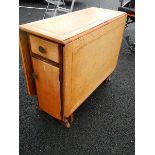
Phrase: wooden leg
x=66 y=123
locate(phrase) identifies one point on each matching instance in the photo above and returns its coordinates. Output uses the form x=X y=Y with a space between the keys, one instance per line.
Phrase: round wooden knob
x=41 y=49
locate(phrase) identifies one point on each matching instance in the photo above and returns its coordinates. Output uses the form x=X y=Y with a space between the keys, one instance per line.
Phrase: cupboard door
x=48 y=87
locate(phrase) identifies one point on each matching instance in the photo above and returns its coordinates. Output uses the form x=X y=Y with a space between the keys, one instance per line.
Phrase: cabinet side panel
x=27 y=64
x=94 y=60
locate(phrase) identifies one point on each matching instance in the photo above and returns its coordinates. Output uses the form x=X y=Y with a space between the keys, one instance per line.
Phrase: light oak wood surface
x=51 y=50
x=93 y=59
x=27 y=64
x=78 y=52
x=66 y=28
x=48 y=87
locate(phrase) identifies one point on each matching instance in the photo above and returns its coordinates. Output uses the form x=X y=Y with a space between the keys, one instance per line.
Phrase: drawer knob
x=41 y=49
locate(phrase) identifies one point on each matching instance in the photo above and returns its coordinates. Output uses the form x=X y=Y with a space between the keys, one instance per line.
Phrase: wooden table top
x=67 y=27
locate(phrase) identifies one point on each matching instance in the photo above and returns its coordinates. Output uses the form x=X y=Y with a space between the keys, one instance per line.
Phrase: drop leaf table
x=67 y=57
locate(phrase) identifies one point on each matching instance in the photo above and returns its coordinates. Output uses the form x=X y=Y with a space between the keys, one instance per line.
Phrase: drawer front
x=44 y=48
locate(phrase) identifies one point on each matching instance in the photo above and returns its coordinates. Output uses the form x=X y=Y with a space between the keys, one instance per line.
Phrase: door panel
x=48 y=87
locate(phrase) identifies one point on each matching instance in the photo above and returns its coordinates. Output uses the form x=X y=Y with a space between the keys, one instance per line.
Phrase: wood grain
x=48 y=87
x=93 y=59
x=27 y=64
x=68 y=27
x=51 y=49
x=82 y=50
x=67 y=81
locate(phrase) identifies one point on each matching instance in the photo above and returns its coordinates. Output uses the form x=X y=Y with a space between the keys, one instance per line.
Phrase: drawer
x=44 y=48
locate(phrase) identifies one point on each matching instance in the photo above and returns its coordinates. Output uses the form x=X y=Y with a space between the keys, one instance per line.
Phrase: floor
x=103 y=125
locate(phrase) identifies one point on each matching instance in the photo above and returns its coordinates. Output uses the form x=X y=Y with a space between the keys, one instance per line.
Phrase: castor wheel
x=70 y=119
x=66 y=123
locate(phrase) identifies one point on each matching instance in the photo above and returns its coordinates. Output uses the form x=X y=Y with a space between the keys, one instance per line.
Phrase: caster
x=66 y=123
x=70 y=119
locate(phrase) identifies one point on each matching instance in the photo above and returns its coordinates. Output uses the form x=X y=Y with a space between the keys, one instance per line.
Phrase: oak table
x=67 y=57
